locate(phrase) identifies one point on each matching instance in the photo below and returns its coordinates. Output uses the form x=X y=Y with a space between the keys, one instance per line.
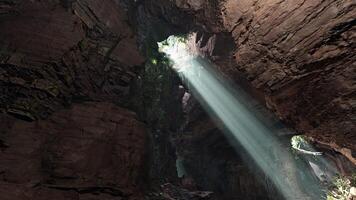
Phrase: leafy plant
x=301 y=144
x=298 y=141
x=340 y=187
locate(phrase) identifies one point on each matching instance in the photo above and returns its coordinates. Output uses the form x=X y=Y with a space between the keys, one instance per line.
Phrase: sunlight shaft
x=241 y=124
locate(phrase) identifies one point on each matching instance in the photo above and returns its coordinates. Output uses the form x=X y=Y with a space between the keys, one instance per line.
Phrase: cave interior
x=177 y=100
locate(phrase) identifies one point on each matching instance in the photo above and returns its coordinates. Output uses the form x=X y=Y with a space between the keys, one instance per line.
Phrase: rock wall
x=91 y=151
x=65 y=73
x=213 y=164
x=300 y=54
x=53 y=54
x=296 y=57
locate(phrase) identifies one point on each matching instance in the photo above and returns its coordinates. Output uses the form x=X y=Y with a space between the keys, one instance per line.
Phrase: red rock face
x=51 y=53
x=92 y=148
x=37 y=35
x=300 y=54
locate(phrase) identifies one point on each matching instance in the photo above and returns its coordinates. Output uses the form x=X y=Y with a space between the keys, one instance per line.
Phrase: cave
x=177 y=100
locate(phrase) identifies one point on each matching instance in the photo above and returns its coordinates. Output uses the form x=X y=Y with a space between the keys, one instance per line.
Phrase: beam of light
x=241 y=123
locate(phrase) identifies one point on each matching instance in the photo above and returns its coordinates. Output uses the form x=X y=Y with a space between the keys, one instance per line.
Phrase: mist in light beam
x=241 y=125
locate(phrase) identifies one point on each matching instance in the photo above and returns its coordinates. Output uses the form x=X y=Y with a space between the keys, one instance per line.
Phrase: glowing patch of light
x=230 y=106
x=154 y=61
x=176 y=49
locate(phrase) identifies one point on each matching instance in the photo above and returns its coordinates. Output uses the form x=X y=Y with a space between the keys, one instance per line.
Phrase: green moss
x=300 y=144
x=299 y=141
x=340 y=187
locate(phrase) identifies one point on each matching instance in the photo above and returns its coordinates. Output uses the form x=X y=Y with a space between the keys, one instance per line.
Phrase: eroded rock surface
x=91 y=151
x=300 y=54
x=299 y=58
x=54 y=52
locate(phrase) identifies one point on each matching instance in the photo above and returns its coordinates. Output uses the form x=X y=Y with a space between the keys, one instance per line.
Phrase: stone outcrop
x=212 y=163
x=68 y=58
x=296 y=57
x=300 y=54
x=211 y=160
x=54 y=53
x=91 y=151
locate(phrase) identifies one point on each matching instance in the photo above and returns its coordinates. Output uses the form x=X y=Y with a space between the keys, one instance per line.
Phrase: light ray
x=230 y=106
